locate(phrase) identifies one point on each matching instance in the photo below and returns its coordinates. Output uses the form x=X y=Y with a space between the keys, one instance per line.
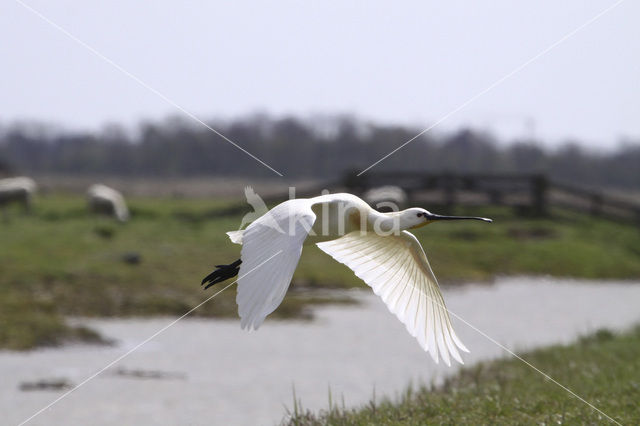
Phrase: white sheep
x=17 y=190
x=386 y=198
x=105 y=200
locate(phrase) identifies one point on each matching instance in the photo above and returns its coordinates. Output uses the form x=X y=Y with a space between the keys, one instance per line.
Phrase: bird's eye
x=419 y=214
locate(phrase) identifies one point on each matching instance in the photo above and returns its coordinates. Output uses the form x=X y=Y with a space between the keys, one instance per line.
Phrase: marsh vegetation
x=59 y=261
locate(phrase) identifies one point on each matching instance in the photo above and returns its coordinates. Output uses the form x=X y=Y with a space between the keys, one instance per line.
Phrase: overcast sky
x=404 y=62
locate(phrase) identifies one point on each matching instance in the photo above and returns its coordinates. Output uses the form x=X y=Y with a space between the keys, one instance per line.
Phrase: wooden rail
x=531 y=194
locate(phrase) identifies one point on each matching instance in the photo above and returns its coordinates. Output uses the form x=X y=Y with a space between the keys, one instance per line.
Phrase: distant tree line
x=315 y=148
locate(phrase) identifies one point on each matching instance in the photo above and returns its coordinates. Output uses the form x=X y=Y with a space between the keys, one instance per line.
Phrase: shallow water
x=220 y=375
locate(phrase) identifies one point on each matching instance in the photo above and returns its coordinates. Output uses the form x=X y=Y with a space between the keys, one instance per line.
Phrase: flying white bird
x=376 y=246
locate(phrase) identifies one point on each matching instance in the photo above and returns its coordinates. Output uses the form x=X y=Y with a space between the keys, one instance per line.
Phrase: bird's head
x=416 y=217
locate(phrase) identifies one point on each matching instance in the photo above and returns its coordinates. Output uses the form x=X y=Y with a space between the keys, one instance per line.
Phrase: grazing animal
x=376 y=246
x=18 y=190
x=105 y=200
x=386 y=198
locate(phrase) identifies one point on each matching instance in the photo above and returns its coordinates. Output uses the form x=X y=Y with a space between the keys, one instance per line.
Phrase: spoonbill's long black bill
x=441 y=217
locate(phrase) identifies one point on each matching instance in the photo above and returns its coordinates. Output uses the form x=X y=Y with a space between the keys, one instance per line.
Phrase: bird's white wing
x=397 y=269
x=254 y=200
x=271 y=248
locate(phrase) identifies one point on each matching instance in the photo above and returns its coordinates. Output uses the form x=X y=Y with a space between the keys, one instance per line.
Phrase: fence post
x=596 y=202
x=354 y=183
x=495 y=197
x=449 y=188
x=539 y=186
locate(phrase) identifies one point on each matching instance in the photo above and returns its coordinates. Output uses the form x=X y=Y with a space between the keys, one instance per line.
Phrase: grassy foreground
x=59 y=261
x=604 y=369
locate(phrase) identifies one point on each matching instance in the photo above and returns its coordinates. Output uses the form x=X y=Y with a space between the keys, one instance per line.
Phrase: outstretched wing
x=271 y=248
x=254 y=200
x=397 y=270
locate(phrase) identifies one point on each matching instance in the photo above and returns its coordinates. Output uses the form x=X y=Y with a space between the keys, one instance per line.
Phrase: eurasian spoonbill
x=376 y=246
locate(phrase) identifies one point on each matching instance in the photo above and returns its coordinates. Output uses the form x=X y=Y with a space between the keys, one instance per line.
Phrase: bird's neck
x=385 y=222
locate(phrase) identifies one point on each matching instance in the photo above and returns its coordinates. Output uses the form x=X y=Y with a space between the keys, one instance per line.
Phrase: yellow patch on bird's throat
x=355 y=219
x=422 y=224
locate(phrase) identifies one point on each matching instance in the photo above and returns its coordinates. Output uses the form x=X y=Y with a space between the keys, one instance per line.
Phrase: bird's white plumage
x=375 y=245
x=397 y=269
x=259 y=207
x=273 y=243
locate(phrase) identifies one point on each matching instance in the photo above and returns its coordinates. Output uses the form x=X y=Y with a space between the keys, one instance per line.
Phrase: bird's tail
x=236 y=236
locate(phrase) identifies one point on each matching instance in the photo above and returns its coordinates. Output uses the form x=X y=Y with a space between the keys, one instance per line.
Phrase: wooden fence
x=530 y=194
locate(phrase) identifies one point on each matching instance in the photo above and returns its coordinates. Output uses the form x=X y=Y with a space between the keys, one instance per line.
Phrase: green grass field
x=604 y=369
x=60 y=261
